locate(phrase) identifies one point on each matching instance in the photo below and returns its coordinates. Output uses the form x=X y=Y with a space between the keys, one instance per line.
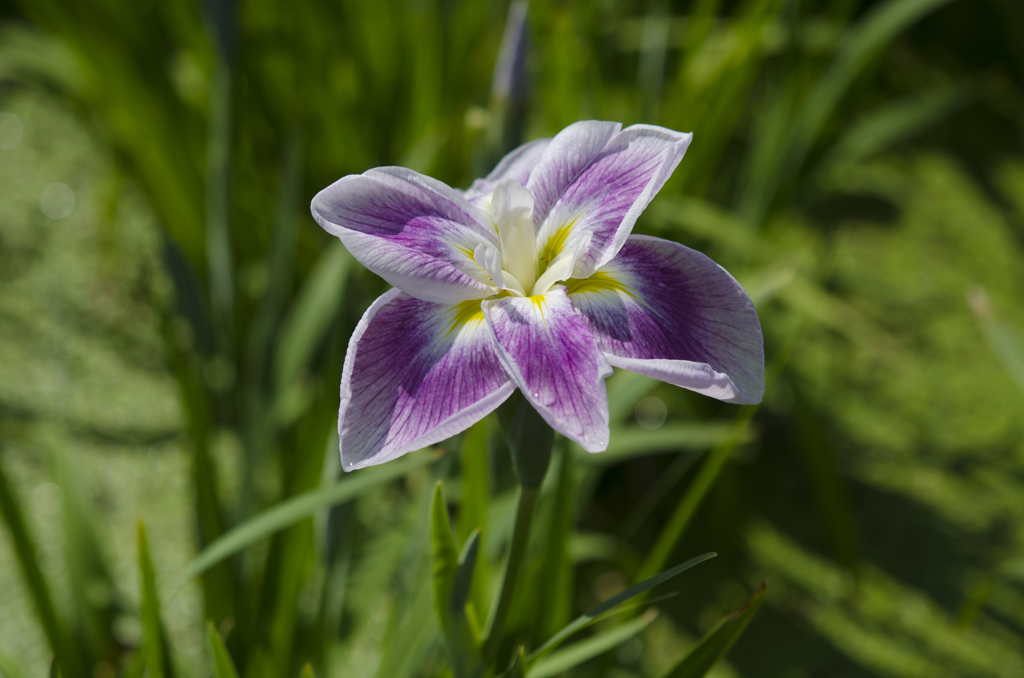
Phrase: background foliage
x=172 y=327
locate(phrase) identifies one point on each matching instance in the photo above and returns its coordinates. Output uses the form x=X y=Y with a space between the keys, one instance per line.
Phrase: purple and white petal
x=413 y=231
x=608 y=195
x=416 y=373
x=552 y=356
x=570 y=152
x=518 y=164
x=669 y=312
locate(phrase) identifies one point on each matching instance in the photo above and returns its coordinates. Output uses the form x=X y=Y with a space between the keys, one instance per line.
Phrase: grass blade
x=894 y=122
x=643 y=587
x=63 y=645
x=585 y=650
x=476 y=495
x=691 y=501
x=92 y=585
x=154 y=639
x=311 y=314
x=555 y=586
x=290 y=512
x=634 y=441
x=862 y=43
x=223 y=667
x=713 y=646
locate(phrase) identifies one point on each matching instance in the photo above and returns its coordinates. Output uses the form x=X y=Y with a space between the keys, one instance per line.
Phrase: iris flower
x=530 y=279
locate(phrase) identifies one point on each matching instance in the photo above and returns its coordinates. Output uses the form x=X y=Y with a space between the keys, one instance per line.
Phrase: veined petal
x=518 y=164
x=416 y=373
x=570 y=152
x=413 y=231
x=551 y=355
x=669 y=312
x=608 y=194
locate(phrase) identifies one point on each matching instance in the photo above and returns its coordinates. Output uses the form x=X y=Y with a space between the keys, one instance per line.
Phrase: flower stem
x=526 y=501
x=530 y=440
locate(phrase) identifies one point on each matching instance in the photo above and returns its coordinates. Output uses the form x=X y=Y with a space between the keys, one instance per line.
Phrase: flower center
x=512 y=211
x=516 y=268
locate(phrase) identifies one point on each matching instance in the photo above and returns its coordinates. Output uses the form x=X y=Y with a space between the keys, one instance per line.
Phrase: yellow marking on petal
x=597 y=282
x=540 y=303
x=553 y=247
x=465 y=313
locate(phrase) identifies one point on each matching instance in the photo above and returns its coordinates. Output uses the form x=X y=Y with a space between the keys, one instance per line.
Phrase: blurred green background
x=173 y=324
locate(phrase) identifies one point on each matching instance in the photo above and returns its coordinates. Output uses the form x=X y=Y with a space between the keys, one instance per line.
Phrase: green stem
x=526 y=501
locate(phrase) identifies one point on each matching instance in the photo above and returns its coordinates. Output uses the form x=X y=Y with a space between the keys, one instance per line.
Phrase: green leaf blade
x=717 y=642
x=223 y=667
x=154 y=638
x=293 y=510
x=590 y=617
x=558 y=662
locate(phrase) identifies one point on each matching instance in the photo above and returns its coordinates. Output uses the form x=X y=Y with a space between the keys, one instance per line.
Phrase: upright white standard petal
x=512 y=211
x=548 y=350
x=669 y=312
x=561 y=268
x=411 y=230
x=416 y=372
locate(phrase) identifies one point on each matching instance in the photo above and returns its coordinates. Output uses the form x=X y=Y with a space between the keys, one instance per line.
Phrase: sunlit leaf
x=590 y=617
x=293 y=510
x=628 y=442
x=568 y=657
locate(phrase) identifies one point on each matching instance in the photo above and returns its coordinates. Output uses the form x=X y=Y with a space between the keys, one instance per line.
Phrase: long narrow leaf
x=317 y=303
x=154 y=638
x=589 y=617
x=292 y=511
x=474 y=503
x=452 y=579
x=633 y=441
x=223 y=667
x=61 y=642
x=715 y=643
x=694 y=497
x=577 y=653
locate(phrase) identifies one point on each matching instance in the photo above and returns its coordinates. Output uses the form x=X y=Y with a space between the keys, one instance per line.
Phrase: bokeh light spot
x=57 y=201
x=651 y=412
